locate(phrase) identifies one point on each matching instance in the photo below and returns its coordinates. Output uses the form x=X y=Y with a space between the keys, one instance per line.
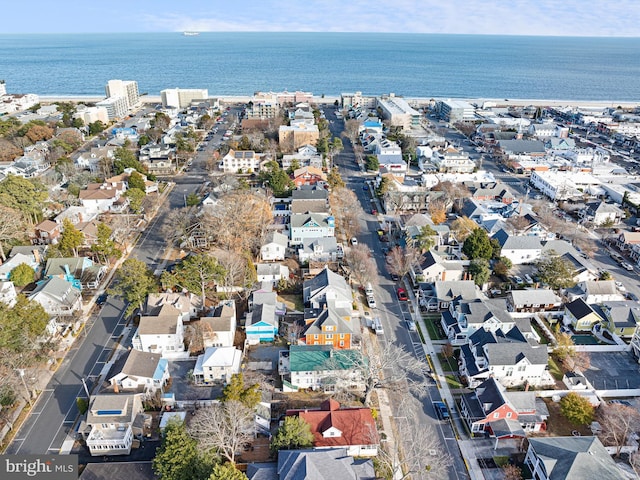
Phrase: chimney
x=116 y=389
x=36 y=255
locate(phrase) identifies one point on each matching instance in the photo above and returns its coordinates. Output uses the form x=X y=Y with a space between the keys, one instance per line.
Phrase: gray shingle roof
x=324 y=464
x=522 y=146
x=534 y=296
x=448 y=290
x=575 y=458
x=517 y=242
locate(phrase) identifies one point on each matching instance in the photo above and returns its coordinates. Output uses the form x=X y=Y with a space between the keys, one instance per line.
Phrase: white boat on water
x=190 y=34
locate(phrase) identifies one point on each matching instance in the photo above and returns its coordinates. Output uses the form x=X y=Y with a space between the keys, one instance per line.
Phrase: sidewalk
x=432 y=350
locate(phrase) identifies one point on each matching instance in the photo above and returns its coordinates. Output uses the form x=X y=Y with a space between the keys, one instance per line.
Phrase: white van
x=377 y=326
x=368 y=289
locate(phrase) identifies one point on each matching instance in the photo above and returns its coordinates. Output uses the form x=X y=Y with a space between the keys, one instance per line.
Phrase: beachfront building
x=92 y=114
x=116 y=107
x=455 y=110
x=398 y=112
x=127 y=89
x=182 y=97
x=357 y=100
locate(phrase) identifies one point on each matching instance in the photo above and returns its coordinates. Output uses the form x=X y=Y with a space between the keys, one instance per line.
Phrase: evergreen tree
x=179 y=457
x=134 y=281
x=22 y=275
x=226 y=471
x=236 y=390
x=70 y=240
x=294 y=433
x=478 y=245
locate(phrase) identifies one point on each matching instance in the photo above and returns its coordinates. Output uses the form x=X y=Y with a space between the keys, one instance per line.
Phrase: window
x=315 y=337
x=496 y=415
x=329 y=336
x=342 y=343
x=329 y=328
x=509 y=414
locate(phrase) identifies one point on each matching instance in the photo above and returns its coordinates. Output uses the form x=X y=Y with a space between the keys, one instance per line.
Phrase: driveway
x=184 y=389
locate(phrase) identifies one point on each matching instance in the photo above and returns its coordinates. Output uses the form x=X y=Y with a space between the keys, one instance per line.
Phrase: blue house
x=263 y=321
x=81 y=272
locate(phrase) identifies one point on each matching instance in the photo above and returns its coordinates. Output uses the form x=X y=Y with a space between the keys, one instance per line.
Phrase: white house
x=323 y=249
x=109 y=428
x=594 y=292
x=219 y=328
x=310 y=225
x=139 y=371
x=57 y=297
x=245 y=161
x=274 y=247
x=100 y=197
x=519 y=249
x=8 y=293
x=161 y=333
x=272 y=272
x=187 y=303
x=217 y=364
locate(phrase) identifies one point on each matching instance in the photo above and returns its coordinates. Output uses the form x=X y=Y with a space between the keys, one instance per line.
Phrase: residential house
x=217 y=364
x=303 y=226
x=309 y=176
x=139 y=371
x=583 y=268
x=320 y=367
x=509 y=357
x=621 y=318
x=57 y=296
x=112 y=422
x=516 y=150
x=307 y=156
x=627 y=240
x=263 y=320
x=600 y=213
x=272 y=272
x=219 y=327
x=188 y=304
x=494 y=191
x=445 y=291
x=8 y=294
x=47 y=232
x=581 y=316
x=452 y=160
x=333 y=426
x=241 y=161
x=322 y=249
x=80 y=271
x=16 y=259
x=490 y=408
x=433 y=267
x=310 y=199
x=326 y=286
x=329 y=325
x=274 y=247
x=317 y=464
x=463 y=317
x=595 y=291
x=519 y=249
x=161 y=333
x=533 y=300
x=158 y=159
x=570 y=458
x=100 y=197
x=91 y=160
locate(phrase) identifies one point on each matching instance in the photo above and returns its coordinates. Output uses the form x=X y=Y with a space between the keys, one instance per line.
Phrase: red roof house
x=351 y=428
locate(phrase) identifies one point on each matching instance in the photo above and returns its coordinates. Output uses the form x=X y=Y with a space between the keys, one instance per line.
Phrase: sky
x=507 y=17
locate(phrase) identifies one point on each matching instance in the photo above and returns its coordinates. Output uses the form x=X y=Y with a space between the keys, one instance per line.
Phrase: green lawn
x=448 y=364
x=432 y=322
x=554 y=369
x=543 y=339
x=453 y=381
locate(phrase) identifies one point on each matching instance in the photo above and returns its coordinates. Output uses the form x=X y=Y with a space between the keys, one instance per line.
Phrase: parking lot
x=184 y=389
x=613 y=370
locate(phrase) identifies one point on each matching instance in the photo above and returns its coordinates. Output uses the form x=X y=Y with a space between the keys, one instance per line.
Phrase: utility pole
x=21 y=373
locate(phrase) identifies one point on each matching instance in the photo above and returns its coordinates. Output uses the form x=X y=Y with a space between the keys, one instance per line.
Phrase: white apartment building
x=243 y=161
x=92 y=114
x=116 y=107
x=563 y=185
x=399 y=112
x=357 y=100
x=128 y=89
x=455 y=110
x=182 y=97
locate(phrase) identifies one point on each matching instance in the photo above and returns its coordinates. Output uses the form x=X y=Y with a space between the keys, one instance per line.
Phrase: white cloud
x=514 y=17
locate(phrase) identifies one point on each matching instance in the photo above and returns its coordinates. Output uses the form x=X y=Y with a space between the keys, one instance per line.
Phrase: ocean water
x=413 y=65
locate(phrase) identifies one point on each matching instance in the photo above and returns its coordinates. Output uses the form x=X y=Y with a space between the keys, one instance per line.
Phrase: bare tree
x=518 y=223
x=346 y=210
x=400 y=260
x=420 y=454
x=618 y=422
x=361 y=263
x=238 y=270
x=389 y=366
x=177 y=224
x=12 y=226
x=512 y=472
x=223 y=428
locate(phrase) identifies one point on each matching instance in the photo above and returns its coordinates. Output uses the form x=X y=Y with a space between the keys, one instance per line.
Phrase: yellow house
x=621 y=318
x=581 y=315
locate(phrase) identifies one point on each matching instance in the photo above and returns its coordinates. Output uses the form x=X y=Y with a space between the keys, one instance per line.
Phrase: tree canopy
x=22 y=275
x=134 y=281
x=179 y=457
x=556 y=271
x=277 y=179
x=26 y=195
x=295 y=433
x=70 y=239
x=236 y=390
x=104 y=246
x=21 y=324
x=577 y=409
x=478 y=245
x=195 y=273
x=226 y=471
x=479 y=270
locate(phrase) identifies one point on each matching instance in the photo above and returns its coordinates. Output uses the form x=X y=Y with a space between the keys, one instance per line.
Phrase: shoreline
x=521 y=102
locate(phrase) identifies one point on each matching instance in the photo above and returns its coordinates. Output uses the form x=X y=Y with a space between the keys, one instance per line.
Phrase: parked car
x=518 y=280
x=102 y=299
x=377 y=326
x=632 y=296
x=411 y=326
x=394 y=277
x=402 y=295
x=354 y=241
x=441 y=410
x=528 y=278
x=371 y=301
x=627 y=266
x=620 y=286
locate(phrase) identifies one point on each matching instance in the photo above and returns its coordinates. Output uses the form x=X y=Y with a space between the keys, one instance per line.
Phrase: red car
x=402 y=295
